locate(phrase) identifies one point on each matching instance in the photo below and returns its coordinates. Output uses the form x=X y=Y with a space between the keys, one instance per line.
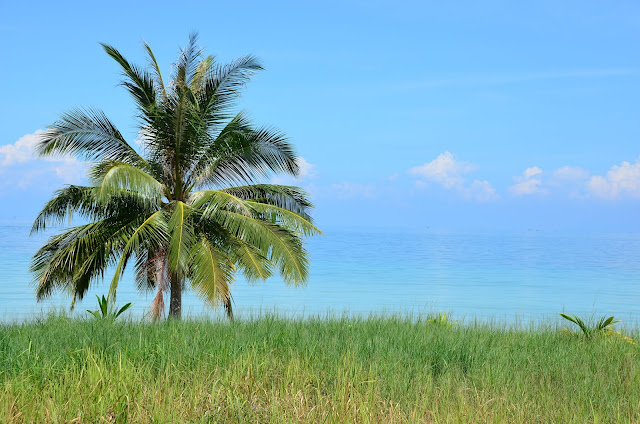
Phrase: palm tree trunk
x=175 y=304
x=228 y=309
x=161 y=277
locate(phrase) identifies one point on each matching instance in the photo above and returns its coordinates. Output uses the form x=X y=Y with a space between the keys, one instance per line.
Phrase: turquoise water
x=530 y=275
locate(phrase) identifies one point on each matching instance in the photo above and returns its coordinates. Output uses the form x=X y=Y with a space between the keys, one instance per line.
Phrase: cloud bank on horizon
x=22 y=169
x=621 y=181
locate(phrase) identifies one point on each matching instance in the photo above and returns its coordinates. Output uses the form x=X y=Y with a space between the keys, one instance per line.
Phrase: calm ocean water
x=529 y=275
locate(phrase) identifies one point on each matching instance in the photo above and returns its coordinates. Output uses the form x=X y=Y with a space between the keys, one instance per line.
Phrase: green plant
x=186 y=207
x=270 y=369
x=591 y=330
x=106 y=310
x=442 y=319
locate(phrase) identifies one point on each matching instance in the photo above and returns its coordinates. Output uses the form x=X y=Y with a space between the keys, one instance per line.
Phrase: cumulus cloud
x=26 y=169
x=621 y=180
x=449 y=172
x=531 y=172
x=21 y=151
x=445 y=170
x=528 y=183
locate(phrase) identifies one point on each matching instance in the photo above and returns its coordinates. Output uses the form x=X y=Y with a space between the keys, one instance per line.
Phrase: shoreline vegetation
x=332 y=369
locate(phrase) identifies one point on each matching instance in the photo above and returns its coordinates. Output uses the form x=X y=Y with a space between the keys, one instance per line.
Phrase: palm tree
x=185 y=206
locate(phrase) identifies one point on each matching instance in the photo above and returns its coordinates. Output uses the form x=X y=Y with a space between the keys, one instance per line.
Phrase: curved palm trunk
x=157 y=306
x=161 y=278
x=175 y=304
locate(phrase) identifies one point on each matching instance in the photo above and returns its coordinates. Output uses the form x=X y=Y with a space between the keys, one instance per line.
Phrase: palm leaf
x=279 y=245
x=290 y=220
x=153 y=63
x=119 y=206
x=180 y=229
x=127 y=177
x=291 y=198
x=89 y=135
x=138 y=82
x=152 y=232
x=250 y=260
x=241 y=153
x=211 y=272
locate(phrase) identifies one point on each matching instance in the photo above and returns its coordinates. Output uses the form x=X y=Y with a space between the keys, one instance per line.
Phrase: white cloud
x=449 y=172
x=481 y=191
x=527 y=186
x=444 y=170
x=528 y=183
x=21 y=151
x=570 y=174
x=26 y=169
x=531 y=172
x=621 y=180
x=307 y=170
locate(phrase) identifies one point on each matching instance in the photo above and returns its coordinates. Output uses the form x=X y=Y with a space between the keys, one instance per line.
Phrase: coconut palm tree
x=186 y=206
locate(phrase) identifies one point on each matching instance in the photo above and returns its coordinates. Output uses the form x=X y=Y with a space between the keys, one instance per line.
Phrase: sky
x=448 y=116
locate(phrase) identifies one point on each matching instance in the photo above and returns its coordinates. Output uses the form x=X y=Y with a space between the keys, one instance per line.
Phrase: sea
x=524 y=276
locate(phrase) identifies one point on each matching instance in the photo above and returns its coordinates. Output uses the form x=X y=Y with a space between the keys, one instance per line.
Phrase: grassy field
x=316 y=370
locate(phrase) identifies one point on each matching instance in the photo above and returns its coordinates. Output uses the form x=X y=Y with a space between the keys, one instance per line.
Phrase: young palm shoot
x=591 y=330
x=108 y=311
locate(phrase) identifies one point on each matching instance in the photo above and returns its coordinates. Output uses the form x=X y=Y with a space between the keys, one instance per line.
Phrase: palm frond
x=139 y=83
x=152 y=232
x=243 y=154
x=278 y=244
x=290 y=198
x=211 y=272
x=285 y=218
x=89 y=135
x=74 y=258
x=181 y=231
x=118 y=175
x=187 y=62
x=207 y=200
x=122 y=205
x=222 y=86
x=250 y=260
x=153 y=63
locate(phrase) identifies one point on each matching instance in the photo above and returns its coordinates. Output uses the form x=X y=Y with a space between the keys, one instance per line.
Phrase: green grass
x=315 y=370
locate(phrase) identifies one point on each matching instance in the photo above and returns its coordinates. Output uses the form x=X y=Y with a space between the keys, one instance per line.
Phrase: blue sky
x=457 y=116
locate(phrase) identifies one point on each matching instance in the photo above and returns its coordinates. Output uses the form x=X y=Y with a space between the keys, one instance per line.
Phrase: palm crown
x=186 y=209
